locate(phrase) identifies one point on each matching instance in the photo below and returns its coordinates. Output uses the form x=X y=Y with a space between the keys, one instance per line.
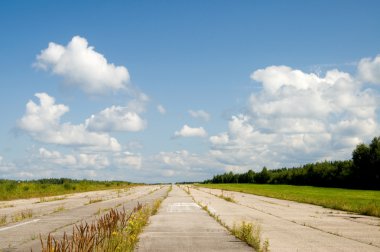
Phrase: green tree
x=374 y=162
x=360 y=157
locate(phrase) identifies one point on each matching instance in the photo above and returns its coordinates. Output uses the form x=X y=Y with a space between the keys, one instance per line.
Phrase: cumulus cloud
x=200 y=114
x=116 y=118
x=120 y=118
x=222 y=138
x=38 y=118
x=183 y=164
x=369 y=70
x=80 y=65
x=42 y=122
x=95 y=161
x=299 y=117
x=76 y=161
x=128 y=159
x=161 y=109
x=187 y=131
x=57 y=158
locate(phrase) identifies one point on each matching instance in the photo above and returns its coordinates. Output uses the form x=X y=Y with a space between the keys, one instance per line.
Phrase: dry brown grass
x=25 y=214
x=114 y=231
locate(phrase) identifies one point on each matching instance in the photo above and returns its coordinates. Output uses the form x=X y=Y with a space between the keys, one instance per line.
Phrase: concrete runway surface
x=292 y=226
x=60 y=215
x=181 y=225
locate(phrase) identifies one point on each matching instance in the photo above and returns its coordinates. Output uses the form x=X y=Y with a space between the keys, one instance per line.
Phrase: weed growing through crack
x=115 y=231
x=25 y=214
x=6 y=206
x=247 y=232
x=226 y=198
x=187 y=190
x=92 y=201
x=3 y=220
x=59 y=209
x=49 y=199
x=251 y=234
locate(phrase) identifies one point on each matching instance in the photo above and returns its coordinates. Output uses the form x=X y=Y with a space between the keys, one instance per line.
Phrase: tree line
x=362 y=171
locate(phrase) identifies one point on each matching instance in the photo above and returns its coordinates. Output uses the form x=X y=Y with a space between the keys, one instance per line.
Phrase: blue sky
x=155 y=91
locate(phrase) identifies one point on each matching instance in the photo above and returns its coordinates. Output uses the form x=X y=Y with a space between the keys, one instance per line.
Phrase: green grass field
x=10 y=189
x=359 y=201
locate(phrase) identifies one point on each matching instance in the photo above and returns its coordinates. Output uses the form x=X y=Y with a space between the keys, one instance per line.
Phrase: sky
x=171 y=91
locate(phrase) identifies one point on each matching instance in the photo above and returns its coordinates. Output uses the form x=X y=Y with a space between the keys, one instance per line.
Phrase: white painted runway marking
x=182 y=207
x=18 y=225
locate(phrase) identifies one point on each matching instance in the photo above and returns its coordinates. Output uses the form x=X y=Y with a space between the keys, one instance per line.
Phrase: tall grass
x=115 y=231
x=251 y=234
x=365 y=202
x=25 y=214
x=10 y=189
x=3 y=220
x=226 y=198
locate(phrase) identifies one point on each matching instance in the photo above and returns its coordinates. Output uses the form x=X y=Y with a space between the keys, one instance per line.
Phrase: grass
x=226 y=198
x=46 y=199
x=59 y=209
x=6 y=206
x=25 y=214
x=115 y=231
x=251 y=234
x=187 y=190
x=10 y=189
x=365 y=202
x=92 y=201
x=3 y=220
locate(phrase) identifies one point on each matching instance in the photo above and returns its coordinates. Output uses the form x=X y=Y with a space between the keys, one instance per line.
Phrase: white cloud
x=57 y=158
x=39 y=118
x=182 y=165
x=299 y=117
x=174 y=159
x=116 y=118
x=187 y=131
x=369 y=70
x=161 y=109
x=75 y=161
x=95 y=161
x=200 y=114
x=222 y=138
x=128 y=159
x=82 y=66
x=42 y=123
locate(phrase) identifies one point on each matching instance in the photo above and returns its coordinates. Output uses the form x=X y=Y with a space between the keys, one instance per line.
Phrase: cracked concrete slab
x=24 y=235
x=181 y=225
x=292 y=226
